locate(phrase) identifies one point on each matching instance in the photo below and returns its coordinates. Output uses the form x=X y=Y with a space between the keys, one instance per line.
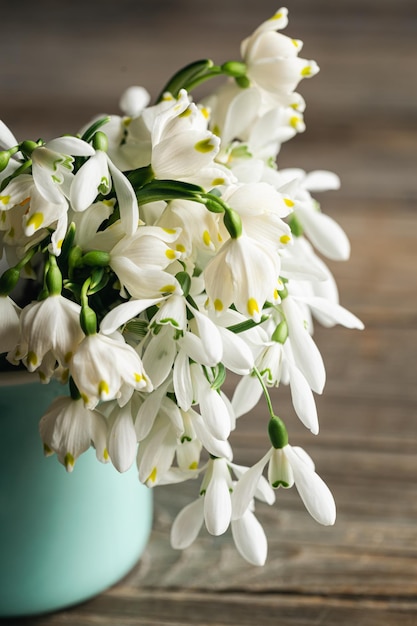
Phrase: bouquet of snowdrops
x=161 y=249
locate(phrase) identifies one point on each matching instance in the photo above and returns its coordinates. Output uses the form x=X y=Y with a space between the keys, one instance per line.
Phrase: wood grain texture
x=65 y=63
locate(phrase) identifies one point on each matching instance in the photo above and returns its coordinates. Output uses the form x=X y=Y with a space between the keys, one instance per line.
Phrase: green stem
x=265 y=391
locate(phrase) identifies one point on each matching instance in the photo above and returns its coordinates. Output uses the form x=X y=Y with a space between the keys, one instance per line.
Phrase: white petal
x=7 y=139
x=84 y=188
x=247 y=395
x=125 y=312
x=209 y=335
x=217 y=503
x=183 y=386
x=321 y=180
x=70 y=145
x=122 y=443
x=313 y=491
x=307 y=356
x=187 y=525
x=332 y=312
x=246 y=487
x=237 y=356
x=303 y=400
x=250 y=539
x=159 y=356
x=126 y=197
x=324 y=233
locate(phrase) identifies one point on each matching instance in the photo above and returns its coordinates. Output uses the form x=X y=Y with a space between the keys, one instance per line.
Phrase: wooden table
x=66 y=63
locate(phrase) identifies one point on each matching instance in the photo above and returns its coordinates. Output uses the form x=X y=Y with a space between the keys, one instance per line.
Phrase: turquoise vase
x=63 y=537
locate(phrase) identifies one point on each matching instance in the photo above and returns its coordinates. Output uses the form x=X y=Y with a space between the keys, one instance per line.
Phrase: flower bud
x=277 y=432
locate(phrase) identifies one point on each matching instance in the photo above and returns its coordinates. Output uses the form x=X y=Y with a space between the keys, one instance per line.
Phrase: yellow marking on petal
x=204 y=146
x=167 y=289
x=205 y=112
x=218 y=305
x=306 y=71
x=68 y=357
x=218 y=181
x=180 y=248
x=103 y=388
x=185 y=113
x=5 y=199
x=69 y=461
x=216 y=130
x=35 y=220
x=42 y=376
x=152 y=475
x=106 y=455
x=85 y=398
x=167 y=97
x=277 y=16
x=206 y=238
x=32 y=358
x=59 y=244
x=170 y=254
x=170 y=231
x=193 y=465
x=219 y=237
x=276 y=294
x=253 y=306
x=138 y=377
x=290 y=203
x=294 y=121
x=295 y=42
x=127 y=121
x=47 y=450
x=285 y=238
x=110 y=203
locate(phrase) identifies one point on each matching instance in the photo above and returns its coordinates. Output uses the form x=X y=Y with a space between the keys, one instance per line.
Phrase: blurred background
x=62 y=63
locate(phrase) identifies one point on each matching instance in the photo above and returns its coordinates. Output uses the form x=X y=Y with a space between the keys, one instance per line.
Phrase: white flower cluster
x=164 y=248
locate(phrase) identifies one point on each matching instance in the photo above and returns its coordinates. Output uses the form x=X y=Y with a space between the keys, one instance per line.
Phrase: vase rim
x=17 y=378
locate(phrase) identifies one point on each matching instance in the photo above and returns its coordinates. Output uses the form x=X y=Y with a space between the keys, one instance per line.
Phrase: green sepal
x=100 y=141
x=53 y=278
x=28 y=146
x=233 y=223
x=9 y=280
x=235 y=69
x=99 y=279
x=277 y=432
x=295 y=225
x=94 y=258
x=280 y=334
x=88 y=320
x=243 y=82
x=4 y=159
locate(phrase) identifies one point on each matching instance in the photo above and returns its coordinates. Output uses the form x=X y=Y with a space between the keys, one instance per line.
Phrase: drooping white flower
x=52 y=165
x=103 y=365
x=99 y=175
x=272 y=58
x=50 y=325
x=140 y=259
x=68 y=428
x=287 y=466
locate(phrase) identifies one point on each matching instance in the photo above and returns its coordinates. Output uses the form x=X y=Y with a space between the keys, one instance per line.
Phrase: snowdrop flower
x=100 y=175
x=51 y=325
x=68 y=428
x=52 y=165
x=288 y=466
x=101 y=366
x=272 y=58
x=139 y=261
